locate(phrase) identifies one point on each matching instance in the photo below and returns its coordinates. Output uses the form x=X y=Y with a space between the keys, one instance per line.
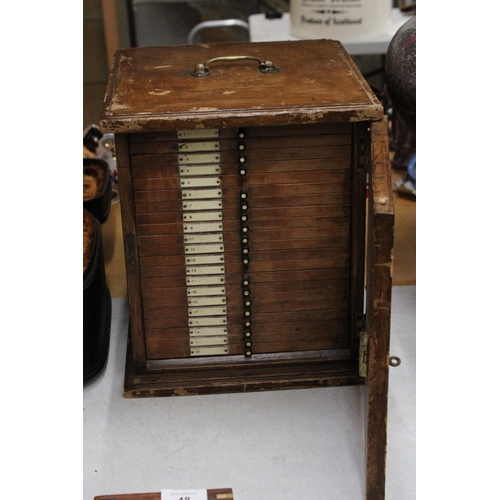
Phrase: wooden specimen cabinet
x=255 y=259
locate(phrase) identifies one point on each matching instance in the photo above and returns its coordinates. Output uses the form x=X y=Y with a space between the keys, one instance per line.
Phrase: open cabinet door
x=378 y=308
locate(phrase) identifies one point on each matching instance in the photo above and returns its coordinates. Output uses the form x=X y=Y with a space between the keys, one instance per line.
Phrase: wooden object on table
x=215 y=494
x=243 y=197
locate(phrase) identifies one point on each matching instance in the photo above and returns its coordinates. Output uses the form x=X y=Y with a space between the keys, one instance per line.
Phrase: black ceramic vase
x=401 y=72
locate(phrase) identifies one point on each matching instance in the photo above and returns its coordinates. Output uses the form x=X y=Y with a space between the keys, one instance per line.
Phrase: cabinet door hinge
x=363 y=346
x=362 y=153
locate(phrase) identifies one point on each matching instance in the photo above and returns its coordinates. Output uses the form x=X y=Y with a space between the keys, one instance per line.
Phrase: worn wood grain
x=335 y=228
x=298 y=200
x=304 y=142
x=330 y=371
x=166 y=97
x=308 y=183
x=156 y=166
x=270 y=217
x=251 y=132
x=176 y=305
x=161 y=288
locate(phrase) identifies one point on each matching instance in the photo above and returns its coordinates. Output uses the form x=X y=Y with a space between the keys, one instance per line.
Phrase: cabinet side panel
x=378 y=308
x=127 y=205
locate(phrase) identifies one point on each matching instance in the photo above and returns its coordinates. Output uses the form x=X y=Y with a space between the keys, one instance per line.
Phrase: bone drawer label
x=207 y=301
x=204 y=341
x=209 y=133
x=199 y=146
x=200 y=182
x=209 y=351
x=205 y=280
x=197 y=249
x=204 y=270
x=206 y=331
x=203 y=227
x=199 y=170
x=203 y=238
x=206 y=291
x=198 y=158
x=208 y=321
x=205 y=259
x=201 y=194
x=202 y=216
x=202 y=205
x=206 y=311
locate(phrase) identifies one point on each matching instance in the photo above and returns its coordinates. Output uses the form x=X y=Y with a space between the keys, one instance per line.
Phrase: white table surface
x=289 y=444
x=272 y=30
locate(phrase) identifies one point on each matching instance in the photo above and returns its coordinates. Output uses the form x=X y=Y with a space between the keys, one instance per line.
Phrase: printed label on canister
x=340 y=19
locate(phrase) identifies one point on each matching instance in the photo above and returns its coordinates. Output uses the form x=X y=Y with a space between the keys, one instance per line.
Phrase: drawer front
x=244 y=239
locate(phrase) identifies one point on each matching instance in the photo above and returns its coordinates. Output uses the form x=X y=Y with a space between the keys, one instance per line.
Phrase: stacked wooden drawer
x=244 y=239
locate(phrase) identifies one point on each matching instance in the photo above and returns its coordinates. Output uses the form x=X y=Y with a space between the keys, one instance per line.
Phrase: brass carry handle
x=202 y=69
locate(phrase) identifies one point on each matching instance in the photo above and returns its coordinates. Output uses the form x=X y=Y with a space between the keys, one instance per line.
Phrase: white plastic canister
x=340 y=19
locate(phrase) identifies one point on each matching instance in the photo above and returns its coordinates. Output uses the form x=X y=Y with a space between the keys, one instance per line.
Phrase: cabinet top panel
x=247 y=84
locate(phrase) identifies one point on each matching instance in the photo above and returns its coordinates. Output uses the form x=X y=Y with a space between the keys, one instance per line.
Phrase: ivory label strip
x=200 y=182
x=205 y=259
x=199 y=249
x=202 y=205
x=218 y=279
x=207 y=301
x=207 y=311
x=207 y=331
x=209 y=351
x=204 y=270
x=208 y=321
x=199 y=146
x=198 y=158
x=203 y=227
x=201 y=194
x=203 y=238
x=200 y=170
x=207 y=133
x=202 y=216
x=206 y=291
x=204 y=341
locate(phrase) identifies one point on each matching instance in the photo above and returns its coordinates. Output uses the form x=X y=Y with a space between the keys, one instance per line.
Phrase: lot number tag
x=184 y=495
